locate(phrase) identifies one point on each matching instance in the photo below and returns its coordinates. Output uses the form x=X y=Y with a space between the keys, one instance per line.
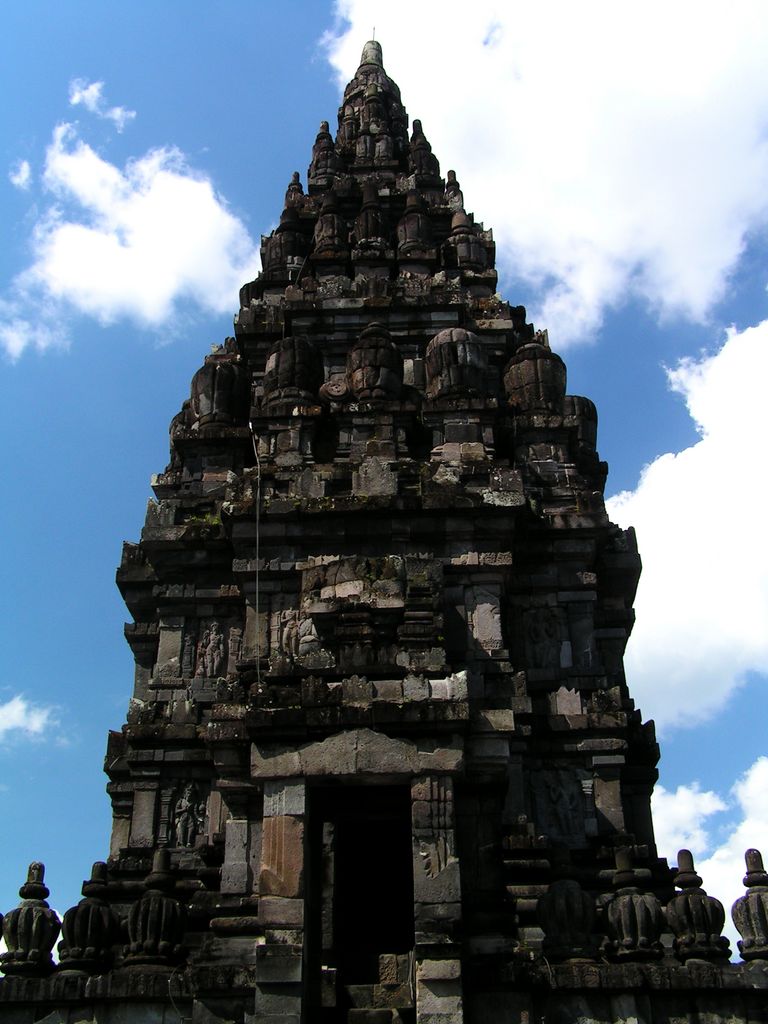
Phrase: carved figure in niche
x=331 y=229
x=542 y=638
x=235 y=648
x=324 y=162
x=454 y=197
x=423 y=160
x=188 y=816
x=210 y=652
x=559 y=803
x=289 y=635
x=375 y=366
x=308 y=638
x=414 y=230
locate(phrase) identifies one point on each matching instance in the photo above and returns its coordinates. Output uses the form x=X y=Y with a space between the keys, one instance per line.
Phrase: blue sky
x=620 y=154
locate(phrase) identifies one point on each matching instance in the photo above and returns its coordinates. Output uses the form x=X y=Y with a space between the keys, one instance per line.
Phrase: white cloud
x=679 y=817
x=91 y=96
x=618 y=150
x=17 y=715
x=21 y=174
x=131 y=242
x=702 y=603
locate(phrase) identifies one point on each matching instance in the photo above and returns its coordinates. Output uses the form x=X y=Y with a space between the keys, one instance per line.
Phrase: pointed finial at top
x=372 y=54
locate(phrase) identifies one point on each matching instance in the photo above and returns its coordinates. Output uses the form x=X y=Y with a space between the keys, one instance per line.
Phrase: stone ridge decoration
x=381 y=764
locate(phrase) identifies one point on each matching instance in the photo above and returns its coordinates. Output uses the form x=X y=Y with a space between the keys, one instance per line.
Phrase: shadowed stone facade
x=381 y=763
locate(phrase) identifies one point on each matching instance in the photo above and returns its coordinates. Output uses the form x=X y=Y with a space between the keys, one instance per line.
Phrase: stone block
x=435 y=871
x=278 y=969
x=282 y=856
x=281 y=797
x=415 y=688
x=277 y=910
x=438 y=970
x=438 y=996
x=358 y=1015
x=143 y=818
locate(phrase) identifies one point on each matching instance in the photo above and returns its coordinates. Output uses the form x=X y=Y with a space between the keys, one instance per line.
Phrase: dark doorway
x=360 y=896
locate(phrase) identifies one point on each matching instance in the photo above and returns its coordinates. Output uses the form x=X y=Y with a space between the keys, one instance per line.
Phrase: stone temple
x=381 y=764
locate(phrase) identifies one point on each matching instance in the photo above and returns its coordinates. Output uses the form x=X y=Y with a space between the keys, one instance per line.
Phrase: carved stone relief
x=183 y=814
x=210 y=652
x=559 y=803
x=542 y=638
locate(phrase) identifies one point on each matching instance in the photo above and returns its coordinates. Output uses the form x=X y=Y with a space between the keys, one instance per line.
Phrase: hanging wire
x=258 y=554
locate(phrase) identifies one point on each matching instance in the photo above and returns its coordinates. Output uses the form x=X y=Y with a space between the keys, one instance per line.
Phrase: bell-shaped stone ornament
x=90 y=929
x=294 y=195
x=454 y=197
x=463 y=247
x=30 y=930
x=534 y=379
x=286 y=246
x=580 y=413
x=219 y=392
x=372 y=54
x=156 y=921
x=331 y=234
x=635 y=919
x=750 y=911
x=293 y=373
x=696 y=919
x=324 y=163
x=414 y=230
x=424 y=163
x=375 y=366
x=370 y=229
x=567 y=916
x=455 y=364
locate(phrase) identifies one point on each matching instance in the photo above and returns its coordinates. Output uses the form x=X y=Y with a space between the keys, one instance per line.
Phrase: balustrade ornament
x=695 y=918
x=156 y=921
x=90 y=929
x=567 y=915
x=635 y=919
x=750 y=911
x=30 y=930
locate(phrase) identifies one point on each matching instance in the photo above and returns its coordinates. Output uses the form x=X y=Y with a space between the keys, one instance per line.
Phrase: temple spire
x=372 y=54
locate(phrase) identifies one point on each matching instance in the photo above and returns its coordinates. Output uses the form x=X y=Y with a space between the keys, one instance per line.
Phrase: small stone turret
x=30 y=930
x=750 y=911
x=91 y=929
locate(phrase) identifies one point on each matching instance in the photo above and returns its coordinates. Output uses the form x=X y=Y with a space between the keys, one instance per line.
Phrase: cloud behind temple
x=138 y=242
x=617 y=150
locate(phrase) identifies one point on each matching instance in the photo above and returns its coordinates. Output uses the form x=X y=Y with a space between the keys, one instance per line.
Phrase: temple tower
x=381 y=763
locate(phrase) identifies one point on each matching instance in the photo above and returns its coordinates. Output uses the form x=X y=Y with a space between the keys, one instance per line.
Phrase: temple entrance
x=360 y=927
